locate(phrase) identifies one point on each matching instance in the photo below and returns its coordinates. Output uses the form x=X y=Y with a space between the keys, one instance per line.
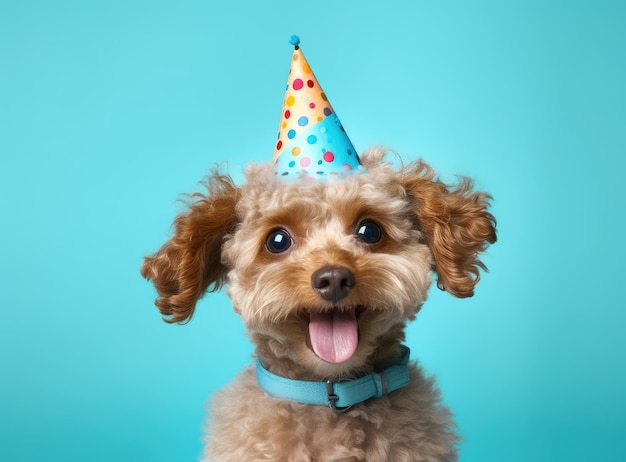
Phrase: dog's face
x=321 y=271
x=325 y=274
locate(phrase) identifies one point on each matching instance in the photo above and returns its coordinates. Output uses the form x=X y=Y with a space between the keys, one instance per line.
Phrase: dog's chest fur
x=408 y=425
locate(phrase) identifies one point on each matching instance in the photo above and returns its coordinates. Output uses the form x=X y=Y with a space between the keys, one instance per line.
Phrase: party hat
x=311 y=140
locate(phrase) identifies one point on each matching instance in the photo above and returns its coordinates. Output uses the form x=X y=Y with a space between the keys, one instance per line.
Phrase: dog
x=325 y=276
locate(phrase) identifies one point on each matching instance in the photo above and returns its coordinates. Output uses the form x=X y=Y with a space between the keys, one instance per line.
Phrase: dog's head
x=325 y=274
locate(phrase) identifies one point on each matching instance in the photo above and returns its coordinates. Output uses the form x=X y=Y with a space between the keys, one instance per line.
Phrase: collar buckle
x=333 y=398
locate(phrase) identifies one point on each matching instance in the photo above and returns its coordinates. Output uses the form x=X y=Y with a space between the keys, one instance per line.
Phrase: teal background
x=110 y=109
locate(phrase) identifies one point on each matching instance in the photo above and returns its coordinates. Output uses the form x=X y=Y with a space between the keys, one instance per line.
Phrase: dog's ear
x=190 y=263
x=455 y=223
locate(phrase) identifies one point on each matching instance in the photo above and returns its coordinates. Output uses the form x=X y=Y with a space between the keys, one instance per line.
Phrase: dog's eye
x=369 y=232
x=278 y=241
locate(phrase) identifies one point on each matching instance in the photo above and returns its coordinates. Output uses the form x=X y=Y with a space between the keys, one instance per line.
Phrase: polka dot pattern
x=305 y=101
x=321 y=151
x=311 y=140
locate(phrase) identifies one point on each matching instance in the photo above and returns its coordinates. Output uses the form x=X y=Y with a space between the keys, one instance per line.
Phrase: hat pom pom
x=294 y=40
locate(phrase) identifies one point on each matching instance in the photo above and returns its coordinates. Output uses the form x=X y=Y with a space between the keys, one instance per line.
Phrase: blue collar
x=339 y=395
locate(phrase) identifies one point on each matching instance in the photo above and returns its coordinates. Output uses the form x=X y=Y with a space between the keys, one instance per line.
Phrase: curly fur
x=428 y=228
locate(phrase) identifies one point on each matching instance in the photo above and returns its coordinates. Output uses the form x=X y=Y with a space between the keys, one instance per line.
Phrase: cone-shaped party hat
x=311 y=140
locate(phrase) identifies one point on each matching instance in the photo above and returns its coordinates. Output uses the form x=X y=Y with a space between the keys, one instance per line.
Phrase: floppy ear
x=455 y=223
x=189 y=263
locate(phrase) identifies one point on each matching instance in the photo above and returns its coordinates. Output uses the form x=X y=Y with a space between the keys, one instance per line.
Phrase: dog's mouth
x=334 y=335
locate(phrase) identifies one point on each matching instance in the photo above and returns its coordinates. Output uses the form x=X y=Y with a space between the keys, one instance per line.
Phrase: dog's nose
x=333 y=283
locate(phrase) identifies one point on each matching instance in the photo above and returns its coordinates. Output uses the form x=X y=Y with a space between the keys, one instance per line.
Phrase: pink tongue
x=334 y=335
